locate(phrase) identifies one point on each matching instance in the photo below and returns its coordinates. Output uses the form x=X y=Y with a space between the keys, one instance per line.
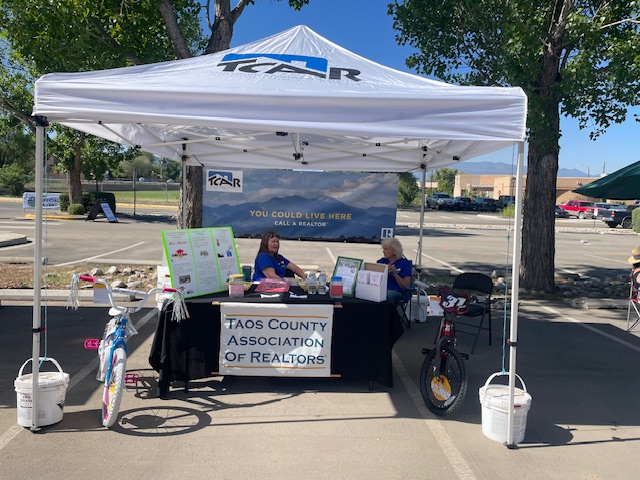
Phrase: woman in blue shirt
x=399 y=272
x=269 y=263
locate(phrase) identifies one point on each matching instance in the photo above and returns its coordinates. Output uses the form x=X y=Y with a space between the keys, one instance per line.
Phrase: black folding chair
x=480 y=287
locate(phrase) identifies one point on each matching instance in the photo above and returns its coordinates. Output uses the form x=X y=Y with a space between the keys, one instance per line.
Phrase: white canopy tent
x=290 y=101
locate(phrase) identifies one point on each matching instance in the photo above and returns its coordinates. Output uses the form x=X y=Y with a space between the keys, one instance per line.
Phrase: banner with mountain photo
x=355 y=207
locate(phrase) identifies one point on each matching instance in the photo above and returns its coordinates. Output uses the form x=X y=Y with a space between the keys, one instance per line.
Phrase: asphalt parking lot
x=578 y=365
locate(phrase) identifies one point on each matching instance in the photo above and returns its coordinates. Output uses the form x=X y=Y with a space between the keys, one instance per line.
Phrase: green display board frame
x=348 y=269
x=200 y=260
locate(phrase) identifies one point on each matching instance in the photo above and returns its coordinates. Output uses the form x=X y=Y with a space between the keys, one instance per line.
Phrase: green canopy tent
x=623 y=184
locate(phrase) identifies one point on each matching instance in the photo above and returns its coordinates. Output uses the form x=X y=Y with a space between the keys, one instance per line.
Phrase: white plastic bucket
x=495 y=409
x=419 y=308
x=52 y=390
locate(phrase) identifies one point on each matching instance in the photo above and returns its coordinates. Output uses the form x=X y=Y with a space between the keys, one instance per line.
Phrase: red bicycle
x=443 y=377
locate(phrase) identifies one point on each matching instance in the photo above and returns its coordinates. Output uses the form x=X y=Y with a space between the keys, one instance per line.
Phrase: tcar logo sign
x=273 y=63
x=219 y=181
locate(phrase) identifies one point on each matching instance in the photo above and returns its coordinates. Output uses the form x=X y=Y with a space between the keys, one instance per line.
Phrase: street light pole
x=588 y=169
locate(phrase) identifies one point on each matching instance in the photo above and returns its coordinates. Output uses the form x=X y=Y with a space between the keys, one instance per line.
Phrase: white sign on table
x=275 y=339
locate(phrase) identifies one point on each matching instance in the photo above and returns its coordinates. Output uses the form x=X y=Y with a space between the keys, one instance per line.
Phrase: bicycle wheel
x=443 y=391
x=113 y=389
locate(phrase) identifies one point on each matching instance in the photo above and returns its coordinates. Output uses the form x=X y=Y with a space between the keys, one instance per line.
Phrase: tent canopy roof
x=293 y=101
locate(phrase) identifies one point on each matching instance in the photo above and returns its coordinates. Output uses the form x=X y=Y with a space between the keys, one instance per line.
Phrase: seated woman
x=399 y=276
x=269 y=263
x=634 y=260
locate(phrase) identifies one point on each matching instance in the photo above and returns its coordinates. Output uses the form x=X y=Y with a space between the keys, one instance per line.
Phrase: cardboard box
x=435 y=310
x=372 y=282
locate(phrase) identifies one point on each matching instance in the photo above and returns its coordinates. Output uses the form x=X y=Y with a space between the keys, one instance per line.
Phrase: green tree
x=446 y=178
x=88 y=35
x=408 y=188
x=140 y=164
x=13 y=178
x=81 y=155
x=573 y=57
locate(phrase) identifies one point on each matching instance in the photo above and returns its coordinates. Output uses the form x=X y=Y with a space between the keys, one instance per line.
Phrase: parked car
x=607 y=206
x=560 y=213
x=440 y=201
x=616 y=216
x=463 y=203
x=487 y=204
x=579 y=208
x=505 y=200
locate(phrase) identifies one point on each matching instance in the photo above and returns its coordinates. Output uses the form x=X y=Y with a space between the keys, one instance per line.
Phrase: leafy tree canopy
x=577 y=57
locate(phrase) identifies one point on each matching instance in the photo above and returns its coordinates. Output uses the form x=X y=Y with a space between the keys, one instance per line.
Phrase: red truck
x=579 y=208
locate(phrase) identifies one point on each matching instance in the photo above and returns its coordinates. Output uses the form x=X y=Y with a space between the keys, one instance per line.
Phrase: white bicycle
x=112 y=349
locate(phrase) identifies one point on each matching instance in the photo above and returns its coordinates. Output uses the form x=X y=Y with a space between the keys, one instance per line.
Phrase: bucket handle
x=42 y=359
x=498 y=374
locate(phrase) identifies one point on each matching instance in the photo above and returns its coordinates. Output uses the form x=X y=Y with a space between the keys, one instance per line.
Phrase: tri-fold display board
x=200 y=260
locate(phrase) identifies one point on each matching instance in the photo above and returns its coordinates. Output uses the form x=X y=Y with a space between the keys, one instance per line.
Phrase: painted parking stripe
x=84 y=260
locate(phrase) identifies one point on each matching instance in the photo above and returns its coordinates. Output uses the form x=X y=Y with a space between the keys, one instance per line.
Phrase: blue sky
x=363 y=27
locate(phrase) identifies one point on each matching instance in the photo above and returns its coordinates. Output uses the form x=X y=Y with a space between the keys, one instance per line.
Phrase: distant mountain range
x=500 y=168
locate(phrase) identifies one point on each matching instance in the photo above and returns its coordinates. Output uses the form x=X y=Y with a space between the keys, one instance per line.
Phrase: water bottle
x=322 y=283
x=311 y=281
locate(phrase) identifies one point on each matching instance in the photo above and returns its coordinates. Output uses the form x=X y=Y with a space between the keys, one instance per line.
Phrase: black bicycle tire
x=434 y=404
x=112 y=394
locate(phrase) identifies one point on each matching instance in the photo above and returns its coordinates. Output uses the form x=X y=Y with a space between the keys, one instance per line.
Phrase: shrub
x=76 y=209
x=89 y=199
x=64 y=202
x=508 y=211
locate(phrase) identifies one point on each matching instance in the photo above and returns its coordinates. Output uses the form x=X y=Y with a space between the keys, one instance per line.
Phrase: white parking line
x=84 y=260
x=599 y=257
x=451 y=453
x=441 y=262
x=333 y=258
x=593 y=329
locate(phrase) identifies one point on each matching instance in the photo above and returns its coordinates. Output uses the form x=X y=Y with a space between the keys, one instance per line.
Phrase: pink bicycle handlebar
x=169 y=289
x=87 y=278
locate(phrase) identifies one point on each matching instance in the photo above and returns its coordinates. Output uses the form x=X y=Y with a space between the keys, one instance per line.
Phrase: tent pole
x=183 y=200
x=37 y=275
x=422 y=190
x=515 y=286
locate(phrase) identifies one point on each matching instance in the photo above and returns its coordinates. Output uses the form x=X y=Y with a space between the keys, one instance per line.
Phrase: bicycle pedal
x=131 y=378
x=465 y=355
x=91 y=343
x=426 y=351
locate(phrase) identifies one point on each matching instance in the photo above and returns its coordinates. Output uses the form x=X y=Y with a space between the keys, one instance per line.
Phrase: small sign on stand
x=102 y=207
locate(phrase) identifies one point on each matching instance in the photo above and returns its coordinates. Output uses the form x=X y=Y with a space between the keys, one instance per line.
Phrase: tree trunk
x=537 y=261
x=75 y=183
x=193 y=210
x=173 y=29
x=538 y=226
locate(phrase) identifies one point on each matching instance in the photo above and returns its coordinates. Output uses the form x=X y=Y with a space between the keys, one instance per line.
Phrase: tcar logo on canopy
x=271 y=63
x=219 y=181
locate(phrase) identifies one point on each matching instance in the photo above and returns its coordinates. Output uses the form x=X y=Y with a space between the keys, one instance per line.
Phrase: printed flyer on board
x=200 y=260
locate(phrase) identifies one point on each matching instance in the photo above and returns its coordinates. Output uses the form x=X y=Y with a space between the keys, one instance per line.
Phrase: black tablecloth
x=363 y=336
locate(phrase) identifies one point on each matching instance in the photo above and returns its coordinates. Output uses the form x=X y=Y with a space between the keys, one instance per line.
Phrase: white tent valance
x=291 y=101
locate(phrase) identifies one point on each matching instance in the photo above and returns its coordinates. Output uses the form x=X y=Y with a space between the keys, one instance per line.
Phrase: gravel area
x=16 y=276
